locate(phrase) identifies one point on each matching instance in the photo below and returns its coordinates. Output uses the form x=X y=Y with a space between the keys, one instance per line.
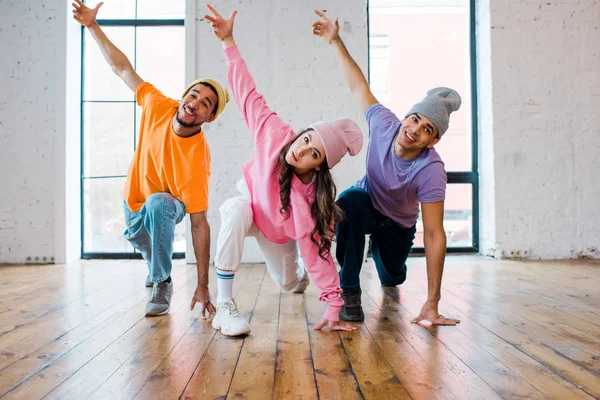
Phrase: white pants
x=237 y=224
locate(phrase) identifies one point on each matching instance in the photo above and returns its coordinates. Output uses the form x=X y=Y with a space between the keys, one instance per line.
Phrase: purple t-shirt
x=396 y=185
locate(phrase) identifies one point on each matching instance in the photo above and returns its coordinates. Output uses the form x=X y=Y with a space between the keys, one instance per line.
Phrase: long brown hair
x=323 y=210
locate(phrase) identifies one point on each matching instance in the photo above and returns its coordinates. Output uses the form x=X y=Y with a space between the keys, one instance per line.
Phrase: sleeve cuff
x=332 y=313
x=232 y=53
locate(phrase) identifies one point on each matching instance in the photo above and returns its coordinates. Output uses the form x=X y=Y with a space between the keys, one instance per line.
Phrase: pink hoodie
x=270 y=135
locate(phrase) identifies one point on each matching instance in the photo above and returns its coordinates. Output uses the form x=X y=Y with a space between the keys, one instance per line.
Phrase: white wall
x=539 y=69
x=28 y=38
x=545 y=93
x=297 y=73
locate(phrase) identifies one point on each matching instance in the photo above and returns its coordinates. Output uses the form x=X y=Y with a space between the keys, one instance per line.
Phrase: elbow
x=121 y=69
x=118 y=70
x=355 y=89
x=435 y=236
x=200 y=228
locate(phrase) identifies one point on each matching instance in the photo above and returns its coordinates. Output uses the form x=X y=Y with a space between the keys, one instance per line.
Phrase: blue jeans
x=151 y=231
x=390 y=242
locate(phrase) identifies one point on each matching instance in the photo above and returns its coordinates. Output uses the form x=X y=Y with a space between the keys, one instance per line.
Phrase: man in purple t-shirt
x=403 y=170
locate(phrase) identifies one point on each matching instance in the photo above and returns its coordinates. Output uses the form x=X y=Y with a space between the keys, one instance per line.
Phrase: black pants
x=390 y=242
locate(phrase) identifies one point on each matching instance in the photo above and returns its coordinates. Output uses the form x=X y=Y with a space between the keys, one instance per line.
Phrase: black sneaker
x=352 y=310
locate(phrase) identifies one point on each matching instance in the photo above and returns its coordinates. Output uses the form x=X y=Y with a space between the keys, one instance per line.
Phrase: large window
x=151 y=34
x=415 y=46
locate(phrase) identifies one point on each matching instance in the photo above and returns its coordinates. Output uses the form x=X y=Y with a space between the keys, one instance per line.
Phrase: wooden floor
x=529 y=330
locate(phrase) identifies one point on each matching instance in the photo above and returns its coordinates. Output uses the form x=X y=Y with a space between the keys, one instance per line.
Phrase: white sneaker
x=229 y=321
x=303 y=284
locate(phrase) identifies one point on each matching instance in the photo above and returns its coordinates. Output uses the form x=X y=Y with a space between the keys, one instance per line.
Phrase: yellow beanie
x=222 y=94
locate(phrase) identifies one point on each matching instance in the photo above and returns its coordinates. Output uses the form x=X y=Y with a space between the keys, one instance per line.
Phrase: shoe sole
x=239 y=333
x=230 y=333
x=157 y=314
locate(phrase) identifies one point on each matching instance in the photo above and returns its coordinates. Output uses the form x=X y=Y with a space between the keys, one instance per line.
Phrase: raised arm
x=116 y=59
x=259 y=118
x=355 y=79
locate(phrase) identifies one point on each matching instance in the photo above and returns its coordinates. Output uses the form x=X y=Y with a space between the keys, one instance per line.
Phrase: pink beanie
x=339 y=136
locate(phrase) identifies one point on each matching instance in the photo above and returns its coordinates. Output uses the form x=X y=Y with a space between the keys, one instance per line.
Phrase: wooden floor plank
x=255 y=371
x=52 y=376
x=453 y=372
x=422 y=380
x=550 y=384
x=529 y=330
x=31 y=363
x=128 y=359
x=294 y=371
x=214 y=373
x=537 y=327
x=50 y=299
x=335 y=378
x=527 y=341
x=170 y=378
x=29 y=337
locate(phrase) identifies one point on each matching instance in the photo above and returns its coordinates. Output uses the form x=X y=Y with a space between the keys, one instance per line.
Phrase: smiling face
x=306 y=152
x=416 y=133
x=197 y=107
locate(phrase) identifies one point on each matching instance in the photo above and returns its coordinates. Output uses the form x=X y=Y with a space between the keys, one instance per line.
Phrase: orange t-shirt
x=163 y=161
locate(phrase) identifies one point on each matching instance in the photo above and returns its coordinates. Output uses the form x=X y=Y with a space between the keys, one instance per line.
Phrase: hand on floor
x=202 y=296
x=429 y=312
x=336 y=326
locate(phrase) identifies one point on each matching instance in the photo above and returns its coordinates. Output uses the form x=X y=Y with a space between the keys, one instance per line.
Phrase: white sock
x=224 y=285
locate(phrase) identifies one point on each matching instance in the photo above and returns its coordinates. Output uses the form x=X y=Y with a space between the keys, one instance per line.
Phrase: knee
x=157 y=203
x=236 y=210
x=353 y=200
x=395 y=280
x=288 y=277
x=399 y=280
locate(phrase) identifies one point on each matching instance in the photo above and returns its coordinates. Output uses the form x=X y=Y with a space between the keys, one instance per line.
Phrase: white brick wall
x=539 y=83
x=27 y=130
x=545 y=92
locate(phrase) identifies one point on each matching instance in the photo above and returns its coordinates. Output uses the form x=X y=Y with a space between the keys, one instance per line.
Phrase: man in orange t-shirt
x=169 y=173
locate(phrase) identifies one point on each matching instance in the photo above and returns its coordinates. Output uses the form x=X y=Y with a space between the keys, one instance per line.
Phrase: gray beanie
x=437 y=106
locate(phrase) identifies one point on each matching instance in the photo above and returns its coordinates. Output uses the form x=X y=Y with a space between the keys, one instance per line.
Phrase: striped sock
x=224 y=285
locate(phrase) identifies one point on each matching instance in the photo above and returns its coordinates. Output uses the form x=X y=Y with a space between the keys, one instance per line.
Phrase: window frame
x=135 y=23
x=459 y=177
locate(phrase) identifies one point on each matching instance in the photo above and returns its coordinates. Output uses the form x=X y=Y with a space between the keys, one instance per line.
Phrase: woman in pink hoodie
x=286 y=201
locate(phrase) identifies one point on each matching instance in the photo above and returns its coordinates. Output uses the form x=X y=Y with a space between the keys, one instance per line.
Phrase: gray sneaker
x=148 y=281
x=352 y=308
x=161 y=298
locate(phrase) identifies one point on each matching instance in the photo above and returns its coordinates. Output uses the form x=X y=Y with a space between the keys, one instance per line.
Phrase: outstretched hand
x=223 y=28
x=429 y=312
x=202 y=296
x=83 y=14
x=336 y=326
x=325 y=29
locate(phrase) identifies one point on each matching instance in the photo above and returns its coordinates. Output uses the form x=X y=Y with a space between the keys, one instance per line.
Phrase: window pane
x=103 y=218
x=107 y=138
x=115 y=9
x=438 y=56
x=379 y=67
x=161 y=58
x=458 y=217
x=161 y=9
x=100 y=82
